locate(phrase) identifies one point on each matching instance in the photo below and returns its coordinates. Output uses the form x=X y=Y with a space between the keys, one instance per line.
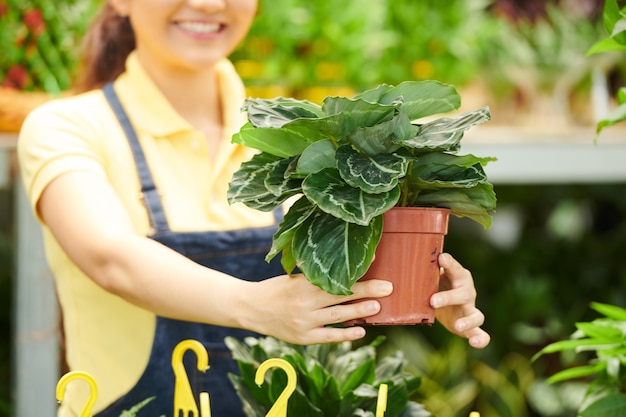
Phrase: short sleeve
x=57 y=138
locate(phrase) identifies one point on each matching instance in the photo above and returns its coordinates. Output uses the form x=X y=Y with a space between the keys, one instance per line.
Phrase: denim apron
x=240 y=253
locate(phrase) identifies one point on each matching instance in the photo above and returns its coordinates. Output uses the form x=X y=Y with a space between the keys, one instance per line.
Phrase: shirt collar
x=151 y=112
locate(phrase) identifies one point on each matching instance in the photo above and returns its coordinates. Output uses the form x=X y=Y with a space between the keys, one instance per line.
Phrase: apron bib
x=240 y=253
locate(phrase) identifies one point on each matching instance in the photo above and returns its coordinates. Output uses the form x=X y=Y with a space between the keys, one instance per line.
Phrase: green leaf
x=362 y=372
x=571 y=344
x=295 y=216
x=621 y=95
x=616 y=115
x=605 y=45
x=390 y=366
x=611 y=15
x=287 y=258
x=619 y=28
x=613 y=405
x=419 y=98
x=334 y=196
x=316 y=157
x=445 y=134
x=397 y=399
x=383 y=137
x=332 y=253
x=610 y=311
x=374 y=175
x=601 y=332
x=576 y=372
x=248 y=184
x=414 y=409
x=356 y=113
x=284 y=142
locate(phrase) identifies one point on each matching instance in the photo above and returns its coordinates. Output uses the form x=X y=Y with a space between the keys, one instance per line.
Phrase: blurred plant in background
x=296 y=44
x=614 y=19
x=606 y=369
x=536 y=65
x=39 y=42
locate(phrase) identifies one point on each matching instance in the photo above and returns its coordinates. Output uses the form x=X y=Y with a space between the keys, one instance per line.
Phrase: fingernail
x=460 y=326
x=358 y=332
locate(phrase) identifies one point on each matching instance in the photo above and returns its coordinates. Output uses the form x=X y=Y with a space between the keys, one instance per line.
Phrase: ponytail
x=106 y=45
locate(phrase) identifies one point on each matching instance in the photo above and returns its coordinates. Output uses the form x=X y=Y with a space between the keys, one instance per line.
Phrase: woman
x=129 y=182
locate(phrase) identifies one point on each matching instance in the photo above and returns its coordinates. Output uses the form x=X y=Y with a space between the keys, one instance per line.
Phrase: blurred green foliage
x=39 y=41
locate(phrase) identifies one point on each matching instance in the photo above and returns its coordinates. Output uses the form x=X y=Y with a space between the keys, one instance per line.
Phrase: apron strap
x=149 y=193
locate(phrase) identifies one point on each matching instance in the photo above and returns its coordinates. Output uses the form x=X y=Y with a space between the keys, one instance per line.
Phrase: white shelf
x=527 y=157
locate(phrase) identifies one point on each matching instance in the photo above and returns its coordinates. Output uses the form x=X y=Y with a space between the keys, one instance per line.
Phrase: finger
x=462 y=296
x=453 y=270
x=478 y=338
x=333 y=335
x=372 y=288
x=346 y=312
x=447 y=262
x=469 y=322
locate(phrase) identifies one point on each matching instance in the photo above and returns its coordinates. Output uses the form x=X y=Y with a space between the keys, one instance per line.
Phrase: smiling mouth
x=200 y=28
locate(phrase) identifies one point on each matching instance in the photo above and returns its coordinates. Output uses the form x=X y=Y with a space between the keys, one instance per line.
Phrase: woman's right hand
x=292 y=309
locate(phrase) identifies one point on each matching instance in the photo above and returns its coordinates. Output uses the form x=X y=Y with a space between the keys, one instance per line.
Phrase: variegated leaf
x=298 y=213
x=278 y=181
x=445 y=134
x=357 y=113
x=383 y=137
x=437 y=170
x=419 y=98
x=375 y=174
x=475 y=203
x=248 y=184
x=333 y=195
x=279 y=111
x=334 y=254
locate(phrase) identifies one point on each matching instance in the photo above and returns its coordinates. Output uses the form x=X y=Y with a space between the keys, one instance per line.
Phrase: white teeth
x=200 y=27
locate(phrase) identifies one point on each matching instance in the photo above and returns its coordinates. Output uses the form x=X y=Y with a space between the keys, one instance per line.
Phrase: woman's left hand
x=455 y=303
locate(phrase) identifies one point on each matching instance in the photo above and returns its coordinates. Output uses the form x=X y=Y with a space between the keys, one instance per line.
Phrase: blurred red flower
x=33 y=19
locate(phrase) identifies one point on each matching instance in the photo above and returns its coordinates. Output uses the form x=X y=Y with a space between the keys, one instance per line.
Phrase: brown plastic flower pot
x=407 y=255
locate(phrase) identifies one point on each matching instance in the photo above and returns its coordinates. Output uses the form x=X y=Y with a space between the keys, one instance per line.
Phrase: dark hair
x=106 y=45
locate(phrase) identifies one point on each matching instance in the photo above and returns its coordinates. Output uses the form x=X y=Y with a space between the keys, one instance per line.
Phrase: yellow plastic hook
x=381 y=404
x=93 y=394
x=279 y=409
x=183 y=395
x=474 y=414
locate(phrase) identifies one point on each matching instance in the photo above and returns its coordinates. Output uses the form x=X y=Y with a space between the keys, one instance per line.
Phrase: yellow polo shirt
x=105 y=335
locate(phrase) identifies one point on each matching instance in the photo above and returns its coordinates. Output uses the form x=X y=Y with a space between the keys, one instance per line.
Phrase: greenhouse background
x=559 y=233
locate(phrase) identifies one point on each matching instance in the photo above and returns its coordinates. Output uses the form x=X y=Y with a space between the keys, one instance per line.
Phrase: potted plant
x=332 y=379
x=354 y=161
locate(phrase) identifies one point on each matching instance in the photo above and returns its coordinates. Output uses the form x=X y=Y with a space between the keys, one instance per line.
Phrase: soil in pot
x=407 y=256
